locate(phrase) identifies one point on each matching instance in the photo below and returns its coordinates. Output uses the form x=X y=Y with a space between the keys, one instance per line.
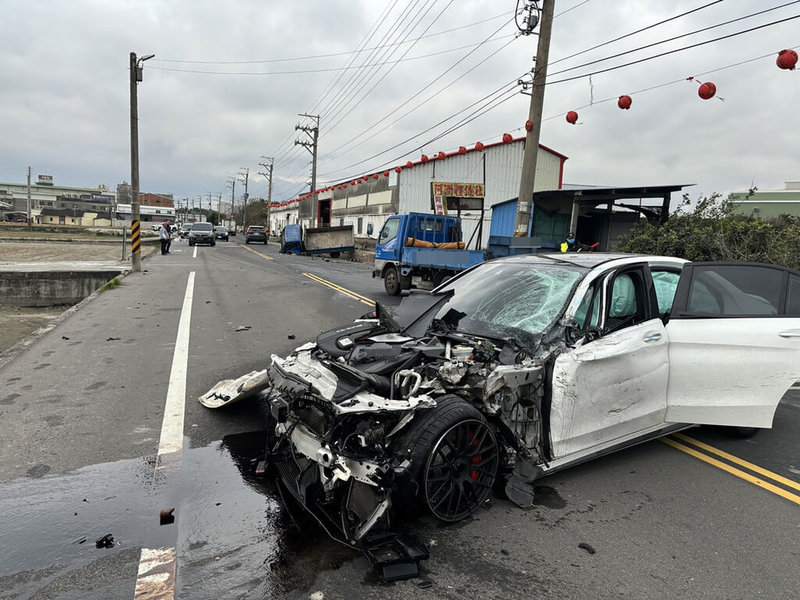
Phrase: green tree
x=709 y=231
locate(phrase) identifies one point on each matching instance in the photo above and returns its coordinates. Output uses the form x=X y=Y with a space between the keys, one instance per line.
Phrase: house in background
x=768 y=204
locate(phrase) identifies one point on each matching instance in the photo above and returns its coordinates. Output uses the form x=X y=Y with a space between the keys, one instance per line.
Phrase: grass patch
x=111 y=285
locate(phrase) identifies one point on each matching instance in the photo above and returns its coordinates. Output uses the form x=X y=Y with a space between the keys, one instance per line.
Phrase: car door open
x=734 y=343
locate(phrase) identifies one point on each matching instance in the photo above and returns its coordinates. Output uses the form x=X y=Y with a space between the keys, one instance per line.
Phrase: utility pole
x=244 y=177
x=28 y=220
x=313 y=133
x=231 y=183
x=136 y=77
x=527 y=179
x=268 y=175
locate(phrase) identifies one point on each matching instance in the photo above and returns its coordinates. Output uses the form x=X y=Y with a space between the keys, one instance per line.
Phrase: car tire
x=391 y=281
x=213 y=243
x=454 y=461
x=440 y=277
x=265 y=242
x=191 y=243
x=247 y=241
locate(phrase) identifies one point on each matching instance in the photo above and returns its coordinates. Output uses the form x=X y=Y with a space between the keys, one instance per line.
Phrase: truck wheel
x=391 y=281
x=335 y=254
x=454 y=459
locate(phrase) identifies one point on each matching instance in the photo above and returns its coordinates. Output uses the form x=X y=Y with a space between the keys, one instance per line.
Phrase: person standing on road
x=166 y=237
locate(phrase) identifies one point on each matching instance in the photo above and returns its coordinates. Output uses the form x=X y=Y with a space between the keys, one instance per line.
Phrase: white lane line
x=157 y=567
x=172 y=426
x=195 y=252
x=156 y=577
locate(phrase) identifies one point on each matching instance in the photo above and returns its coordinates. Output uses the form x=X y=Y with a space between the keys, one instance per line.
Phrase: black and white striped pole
x=136 y=242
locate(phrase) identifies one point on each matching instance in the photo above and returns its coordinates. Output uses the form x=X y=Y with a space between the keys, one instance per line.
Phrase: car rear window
x=256 y=228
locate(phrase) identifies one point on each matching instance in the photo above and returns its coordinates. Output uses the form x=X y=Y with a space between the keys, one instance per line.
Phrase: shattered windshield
x=501 y=299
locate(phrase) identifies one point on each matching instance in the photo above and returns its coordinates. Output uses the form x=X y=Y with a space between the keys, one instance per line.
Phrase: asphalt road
x=82 y=413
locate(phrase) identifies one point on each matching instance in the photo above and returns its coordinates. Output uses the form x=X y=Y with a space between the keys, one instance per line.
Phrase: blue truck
x=420 y=250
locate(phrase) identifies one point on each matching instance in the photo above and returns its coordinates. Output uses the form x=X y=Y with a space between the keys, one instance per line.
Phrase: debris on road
x=107 y=541
x=113 y=339
x=229 y=391
x=167 y=516
x=243 y=328
x=290 y=336
x=584 y=546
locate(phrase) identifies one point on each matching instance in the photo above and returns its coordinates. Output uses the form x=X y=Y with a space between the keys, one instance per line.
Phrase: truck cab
x=421 y=250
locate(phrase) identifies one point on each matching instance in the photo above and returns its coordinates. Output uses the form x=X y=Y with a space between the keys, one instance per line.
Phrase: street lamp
x=135 y=77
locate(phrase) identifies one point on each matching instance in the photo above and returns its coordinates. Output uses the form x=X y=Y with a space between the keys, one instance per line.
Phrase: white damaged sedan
x=516 y=368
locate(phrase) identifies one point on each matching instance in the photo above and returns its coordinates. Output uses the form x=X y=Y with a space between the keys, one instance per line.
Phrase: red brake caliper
x=477 y=460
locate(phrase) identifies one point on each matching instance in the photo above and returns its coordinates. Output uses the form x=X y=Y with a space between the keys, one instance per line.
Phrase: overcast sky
x=64 y=100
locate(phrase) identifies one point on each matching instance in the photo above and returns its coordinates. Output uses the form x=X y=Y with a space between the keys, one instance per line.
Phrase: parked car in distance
x=185 y=229
x=202 y=233
x=255 y=233
x=221 y=232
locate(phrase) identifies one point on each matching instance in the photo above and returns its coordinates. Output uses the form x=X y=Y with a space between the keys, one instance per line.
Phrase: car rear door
x=734 y=343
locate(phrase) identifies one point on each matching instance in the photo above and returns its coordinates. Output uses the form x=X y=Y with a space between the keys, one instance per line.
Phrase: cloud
x=65 y=95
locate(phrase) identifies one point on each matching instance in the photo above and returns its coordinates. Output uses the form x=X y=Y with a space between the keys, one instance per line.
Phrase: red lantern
x=425 y=158
x=353 y=182
x=507 y=138
x=479 y=146
x=624 y=102
x=375 y=176
x=528 y=125
x=787 y=59
x=572 y=117
x=345 y=186
x=338 y=188
x=462 y=150
x=398 y=169
x=409 y=164
x=707 y=90
x=442 y=156
x=386 y=173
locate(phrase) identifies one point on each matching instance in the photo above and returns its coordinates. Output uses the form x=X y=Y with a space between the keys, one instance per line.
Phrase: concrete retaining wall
x=50 y=288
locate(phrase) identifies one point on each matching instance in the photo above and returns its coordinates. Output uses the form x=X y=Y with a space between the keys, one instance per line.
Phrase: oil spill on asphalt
x=544 y=495
x=232 y=535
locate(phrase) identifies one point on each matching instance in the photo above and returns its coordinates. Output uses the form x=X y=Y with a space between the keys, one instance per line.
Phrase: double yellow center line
x=752 y=476
x=340 y=289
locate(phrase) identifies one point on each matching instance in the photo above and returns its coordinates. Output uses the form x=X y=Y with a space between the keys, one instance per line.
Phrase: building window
x=360 y=224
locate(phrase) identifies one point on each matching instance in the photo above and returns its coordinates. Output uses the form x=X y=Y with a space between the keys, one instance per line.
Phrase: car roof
x=588 y=260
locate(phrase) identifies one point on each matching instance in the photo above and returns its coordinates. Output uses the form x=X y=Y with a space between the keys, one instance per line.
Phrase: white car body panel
x=609 y=389
x=715 y=362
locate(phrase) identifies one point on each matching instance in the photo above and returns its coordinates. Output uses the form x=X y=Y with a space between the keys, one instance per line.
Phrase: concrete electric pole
x=136 y=77
x=244 y=177
x=313 y=133
x=231 y=183
x=527 y=179
x=29 y=219
x=268 y=175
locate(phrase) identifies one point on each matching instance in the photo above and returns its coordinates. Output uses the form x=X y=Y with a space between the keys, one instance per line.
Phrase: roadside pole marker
x=136 y=239
x=158 y=566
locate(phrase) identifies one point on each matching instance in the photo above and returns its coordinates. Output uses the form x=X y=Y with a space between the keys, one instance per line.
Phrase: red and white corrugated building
x=371 y=198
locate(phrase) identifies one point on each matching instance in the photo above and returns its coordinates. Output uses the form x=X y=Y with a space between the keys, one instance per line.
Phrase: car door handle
x=651 y=336
x=790 y=333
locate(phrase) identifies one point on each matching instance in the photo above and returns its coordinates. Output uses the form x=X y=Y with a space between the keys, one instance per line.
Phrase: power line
x=332 y=55
x=641 y=60
x=677 y=37
x=426 y=86
x=622 y=37
x=386 y=74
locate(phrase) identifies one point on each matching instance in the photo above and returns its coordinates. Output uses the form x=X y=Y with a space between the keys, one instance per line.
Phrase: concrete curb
x=21 y=346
